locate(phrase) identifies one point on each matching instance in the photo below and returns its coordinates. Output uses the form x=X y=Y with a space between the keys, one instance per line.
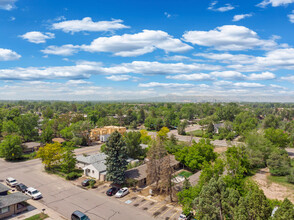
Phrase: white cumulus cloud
x=37 y=37
x=64 y=50
x=86 y=24
x=227 y=7
x=119 y=78
x=261 y=76
x=275 y=3
x=7 y=55
x=229 y=37
x=191 y=77
x=291 y=17
x=128 y=45
x=165 y=85
x=7 y=4
x=240 y=17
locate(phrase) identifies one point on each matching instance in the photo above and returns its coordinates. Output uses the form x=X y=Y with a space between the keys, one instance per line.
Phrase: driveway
x=64 y=197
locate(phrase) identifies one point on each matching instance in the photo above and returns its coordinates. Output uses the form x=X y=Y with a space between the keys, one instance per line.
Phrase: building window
x=20 y=205
x=4 y=210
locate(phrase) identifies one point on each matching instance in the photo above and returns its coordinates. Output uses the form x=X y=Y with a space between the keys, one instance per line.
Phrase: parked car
x=21 y=187
x=122 y=192
x=112 y=191
x=185 y=217
x=11 y=182
x=33 y=193
x=77 y=215
x=86 y=182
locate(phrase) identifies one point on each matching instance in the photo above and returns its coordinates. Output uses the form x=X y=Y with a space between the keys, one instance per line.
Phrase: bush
x=72 y=176
x=92 y=183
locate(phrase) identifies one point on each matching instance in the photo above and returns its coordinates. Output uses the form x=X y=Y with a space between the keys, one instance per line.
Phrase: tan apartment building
x=102 y=134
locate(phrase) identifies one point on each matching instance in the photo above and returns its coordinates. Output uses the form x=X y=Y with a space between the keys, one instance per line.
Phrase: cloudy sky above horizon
x=112 y=50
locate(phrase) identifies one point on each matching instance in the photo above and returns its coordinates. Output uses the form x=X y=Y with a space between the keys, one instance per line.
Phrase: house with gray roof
x=11 y=204
x=85 y=160
x=96 y=170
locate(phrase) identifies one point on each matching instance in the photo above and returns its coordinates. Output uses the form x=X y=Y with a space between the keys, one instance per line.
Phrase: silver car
x=11 y=182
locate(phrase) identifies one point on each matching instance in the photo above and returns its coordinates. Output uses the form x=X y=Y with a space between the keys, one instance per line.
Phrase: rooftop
x=140 y=172
x=31 y=144
x=3 y=188
x=99 y=166
x=91 y=159
x=12 y=199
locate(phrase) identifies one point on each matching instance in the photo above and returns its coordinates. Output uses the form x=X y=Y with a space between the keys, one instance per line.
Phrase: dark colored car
x=77 y=215
x=21 y=187
x=112 y=191
x=86 y=182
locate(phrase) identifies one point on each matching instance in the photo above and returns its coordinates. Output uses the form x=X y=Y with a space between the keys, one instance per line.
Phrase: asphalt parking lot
x=159 y=210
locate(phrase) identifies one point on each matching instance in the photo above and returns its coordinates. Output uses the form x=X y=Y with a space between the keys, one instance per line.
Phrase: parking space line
x=174 y=214
x=169 y=208
x=144 y=203
x=158 y=208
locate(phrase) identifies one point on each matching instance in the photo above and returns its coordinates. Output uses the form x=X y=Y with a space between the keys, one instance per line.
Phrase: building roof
x=31 y=144
x=12 y=199
x=91 y=158
x=3 y=188
x=194 y=178
x=99 y=166
x=59 y=140
x=140 y=172
x=137 y=173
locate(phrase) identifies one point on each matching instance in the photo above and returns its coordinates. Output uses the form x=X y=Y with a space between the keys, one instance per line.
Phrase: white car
x=33 y=193
x=11 y=182
x=122 y=192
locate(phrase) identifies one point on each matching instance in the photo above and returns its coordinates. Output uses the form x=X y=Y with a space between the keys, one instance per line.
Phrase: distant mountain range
x=194 y=99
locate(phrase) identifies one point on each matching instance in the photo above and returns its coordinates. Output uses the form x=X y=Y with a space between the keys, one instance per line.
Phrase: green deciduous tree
x=50 y=155
x=194 y=156
x=116 y=161
x=10 y=148
x=279 y=163
x=68 y=160
x=285 y=211
x=278 y=137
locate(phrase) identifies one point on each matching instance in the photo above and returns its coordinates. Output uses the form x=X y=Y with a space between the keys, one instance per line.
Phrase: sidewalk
x=52 y=214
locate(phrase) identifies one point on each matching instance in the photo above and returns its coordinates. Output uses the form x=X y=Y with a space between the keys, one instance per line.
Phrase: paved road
x=64 y=197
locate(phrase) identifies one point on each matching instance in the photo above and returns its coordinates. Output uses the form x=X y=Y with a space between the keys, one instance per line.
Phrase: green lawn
x=40 y=216
x=196 y=133
x=185 y=174
x=280 y=180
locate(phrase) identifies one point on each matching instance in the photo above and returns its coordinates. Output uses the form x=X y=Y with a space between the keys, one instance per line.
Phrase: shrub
x=72 y=176
x=92 y=183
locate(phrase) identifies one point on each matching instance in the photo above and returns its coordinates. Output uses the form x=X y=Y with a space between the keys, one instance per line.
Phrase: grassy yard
x=40 y=216
x=280 y=180
x=196 y=133
x=185 y=174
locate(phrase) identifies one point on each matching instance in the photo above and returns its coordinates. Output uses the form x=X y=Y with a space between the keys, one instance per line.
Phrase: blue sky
x=112 y=50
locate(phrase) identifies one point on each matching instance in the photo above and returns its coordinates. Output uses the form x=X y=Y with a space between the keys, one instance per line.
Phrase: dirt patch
x=272 y=190
x=220 y=149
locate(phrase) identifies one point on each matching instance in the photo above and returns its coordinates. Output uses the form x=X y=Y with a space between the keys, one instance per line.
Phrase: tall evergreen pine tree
x=116 y=161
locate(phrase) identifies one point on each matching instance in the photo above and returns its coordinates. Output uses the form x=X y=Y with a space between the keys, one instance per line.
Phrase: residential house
x=140 y=173
x=11 y=204
x=93 y=165
x=217 y=127
x=96 y=170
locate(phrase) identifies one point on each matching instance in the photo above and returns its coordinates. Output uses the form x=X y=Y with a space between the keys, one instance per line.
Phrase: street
x=64 y=197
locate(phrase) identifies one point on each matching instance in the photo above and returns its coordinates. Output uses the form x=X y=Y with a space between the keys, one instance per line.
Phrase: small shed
x=58 y=140
x=29 y=147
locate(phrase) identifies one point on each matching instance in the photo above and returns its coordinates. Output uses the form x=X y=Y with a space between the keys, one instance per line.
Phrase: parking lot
x=160 y=210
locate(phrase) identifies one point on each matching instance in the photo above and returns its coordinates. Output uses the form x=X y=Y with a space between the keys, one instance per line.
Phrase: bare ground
x=272 y=190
